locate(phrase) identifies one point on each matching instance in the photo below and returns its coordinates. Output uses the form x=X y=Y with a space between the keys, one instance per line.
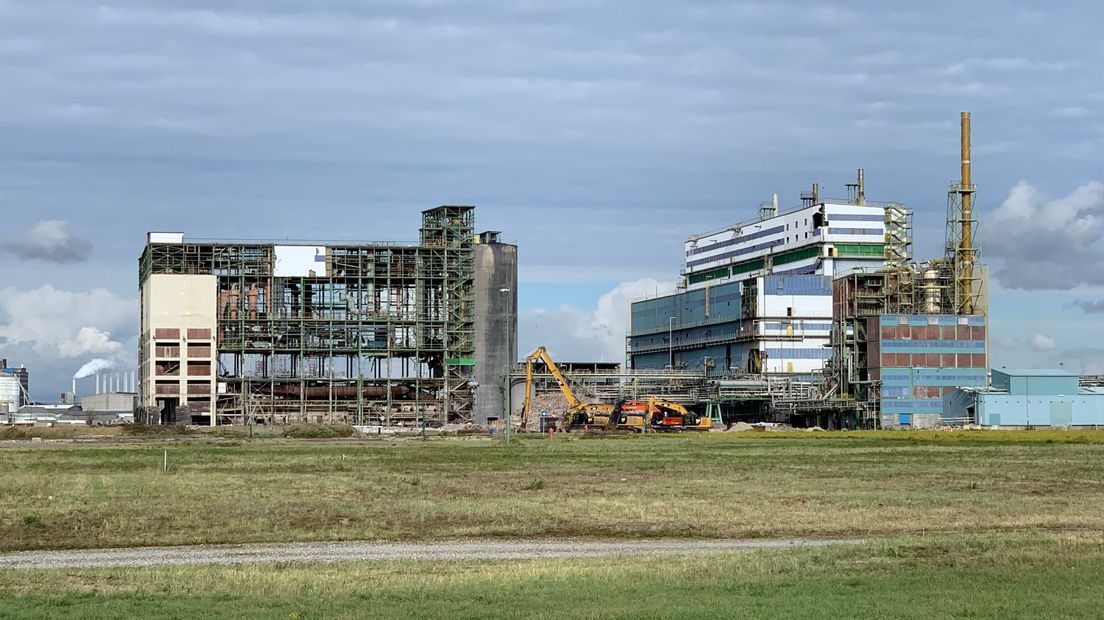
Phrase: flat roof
x=1034 y=372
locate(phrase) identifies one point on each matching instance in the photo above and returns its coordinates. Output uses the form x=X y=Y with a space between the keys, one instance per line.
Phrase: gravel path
x=346 y=551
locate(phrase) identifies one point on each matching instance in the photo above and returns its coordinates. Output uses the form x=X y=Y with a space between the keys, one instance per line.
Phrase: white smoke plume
x=93 y=367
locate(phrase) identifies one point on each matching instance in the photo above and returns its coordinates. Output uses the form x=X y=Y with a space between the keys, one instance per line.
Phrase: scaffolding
x=383 y=334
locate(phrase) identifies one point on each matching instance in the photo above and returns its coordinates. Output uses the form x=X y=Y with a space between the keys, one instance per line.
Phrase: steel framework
x=385 y=336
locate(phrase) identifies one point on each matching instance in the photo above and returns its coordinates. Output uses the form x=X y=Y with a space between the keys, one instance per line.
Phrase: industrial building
x=819 y=314
x=120 y=404
x=14 y=383
x=1023 y=398
x=756 y=297
x=906 y=335
x=317 y=332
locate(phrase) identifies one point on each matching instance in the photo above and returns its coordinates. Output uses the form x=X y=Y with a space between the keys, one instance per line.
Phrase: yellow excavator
x=579 y=413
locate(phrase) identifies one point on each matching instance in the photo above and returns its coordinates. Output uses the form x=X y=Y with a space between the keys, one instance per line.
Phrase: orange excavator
x=667 y=416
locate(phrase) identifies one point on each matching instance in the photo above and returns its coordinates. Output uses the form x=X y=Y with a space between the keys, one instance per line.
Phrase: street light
x=511 y=356
x=671 y=341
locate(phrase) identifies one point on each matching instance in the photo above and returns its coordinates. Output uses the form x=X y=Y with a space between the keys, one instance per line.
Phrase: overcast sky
x=598 y=135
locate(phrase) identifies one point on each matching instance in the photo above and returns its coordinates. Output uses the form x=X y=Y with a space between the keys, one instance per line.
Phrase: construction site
x=249 y=332
x=813 y=316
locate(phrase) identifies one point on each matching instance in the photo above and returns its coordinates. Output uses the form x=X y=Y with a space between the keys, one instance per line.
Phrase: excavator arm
x=573 y=403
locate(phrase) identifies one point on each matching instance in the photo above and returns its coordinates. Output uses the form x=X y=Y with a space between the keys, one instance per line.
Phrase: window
x=789 y=311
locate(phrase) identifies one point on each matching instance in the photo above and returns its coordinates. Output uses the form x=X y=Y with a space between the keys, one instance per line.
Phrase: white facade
x=818 y=239
x=10 y=390
x=794 y=331
x=177 y=352
x=788 y=260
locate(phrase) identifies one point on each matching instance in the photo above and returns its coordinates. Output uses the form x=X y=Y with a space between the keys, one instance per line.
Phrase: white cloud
x=1073 y=112
x=51 y=241
x=57 y=324
x=1043 y=243
x=1041 y=342
x=573 y=334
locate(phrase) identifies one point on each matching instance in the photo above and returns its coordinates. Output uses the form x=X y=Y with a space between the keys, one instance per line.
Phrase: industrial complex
x=815 y=315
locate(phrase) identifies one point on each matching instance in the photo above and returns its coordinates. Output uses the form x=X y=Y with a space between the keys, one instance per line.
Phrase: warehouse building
x=1034 y=397
x=318 y=332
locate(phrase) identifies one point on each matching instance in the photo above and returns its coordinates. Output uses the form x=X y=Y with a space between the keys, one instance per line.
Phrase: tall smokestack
x=99 y=390
x=966 y=246
x=861 y=193
x=74 y=390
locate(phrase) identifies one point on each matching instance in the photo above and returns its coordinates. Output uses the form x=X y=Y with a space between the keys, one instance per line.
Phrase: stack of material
x=552 y=404
x=740 y=427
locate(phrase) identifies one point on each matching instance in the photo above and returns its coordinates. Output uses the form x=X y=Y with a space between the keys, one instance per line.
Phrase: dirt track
x=347 y=551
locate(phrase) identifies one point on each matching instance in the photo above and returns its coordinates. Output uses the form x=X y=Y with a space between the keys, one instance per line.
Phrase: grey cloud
x=50 y=241
x=1042 y=243
x=1089 y=306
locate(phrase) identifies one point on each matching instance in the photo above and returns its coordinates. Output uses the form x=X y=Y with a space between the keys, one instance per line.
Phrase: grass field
x=956 y=576
x=714 y=485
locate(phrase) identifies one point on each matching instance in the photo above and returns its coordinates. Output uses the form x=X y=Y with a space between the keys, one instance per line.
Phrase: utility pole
x=671 y=342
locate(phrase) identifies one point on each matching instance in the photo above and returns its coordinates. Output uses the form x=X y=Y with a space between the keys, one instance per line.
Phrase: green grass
x=990 y=576
x=708 y=485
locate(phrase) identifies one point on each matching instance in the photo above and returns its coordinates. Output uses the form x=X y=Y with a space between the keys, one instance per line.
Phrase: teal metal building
x=1028 y=397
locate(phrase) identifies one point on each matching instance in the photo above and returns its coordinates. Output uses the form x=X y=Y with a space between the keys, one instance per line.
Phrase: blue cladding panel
x=799 y=326
x=651 y=361
x=917 y=405
x=949 y=377
x=943 y=320
x=933 y=346
x=797 y=285
x=1052 y=385
x=821 y=353
x=851 y=217
x=688 y=308
x=710 y=247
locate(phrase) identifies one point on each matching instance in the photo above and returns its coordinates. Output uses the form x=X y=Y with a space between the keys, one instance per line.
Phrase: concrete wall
x=114 y=402
x=495 y=325
x=187 y=306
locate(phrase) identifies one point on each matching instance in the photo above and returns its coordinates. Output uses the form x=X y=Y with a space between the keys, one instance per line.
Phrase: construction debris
x=552 y=404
